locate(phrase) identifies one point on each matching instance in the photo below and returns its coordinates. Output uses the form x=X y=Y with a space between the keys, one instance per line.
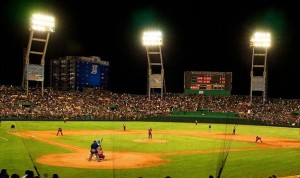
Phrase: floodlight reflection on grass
x=152 y=38
x=41 y=22
x=260 y=39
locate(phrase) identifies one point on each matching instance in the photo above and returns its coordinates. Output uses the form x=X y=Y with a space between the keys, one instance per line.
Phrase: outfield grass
x=19 y=154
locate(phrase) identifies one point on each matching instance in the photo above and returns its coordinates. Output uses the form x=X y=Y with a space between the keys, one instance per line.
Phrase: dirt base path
x=125 y=160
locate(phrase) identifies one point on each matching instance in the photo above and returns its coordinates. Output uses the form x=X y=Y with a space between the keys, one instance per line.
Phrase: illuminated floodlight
x=41 y=22
x=152 y=38
x=260 y=39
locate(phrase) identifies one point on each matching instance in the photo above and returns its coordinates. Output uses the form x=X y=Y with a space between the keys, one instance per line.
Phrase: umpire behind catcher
x=94 y=151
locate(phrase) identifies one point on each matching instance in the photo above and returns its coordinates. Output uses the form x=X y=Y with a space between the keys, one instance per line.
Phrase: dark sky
x=197 y=35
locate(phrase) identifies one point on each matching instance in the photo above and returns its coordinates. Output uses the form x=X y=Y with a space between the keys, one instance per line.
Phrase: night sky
x=197 y=36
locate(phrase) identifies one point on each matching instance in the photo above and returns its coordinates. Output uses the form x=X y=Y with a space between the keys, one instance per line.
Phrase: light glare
x=41 y=22
x=260 y=39
x=152 y=38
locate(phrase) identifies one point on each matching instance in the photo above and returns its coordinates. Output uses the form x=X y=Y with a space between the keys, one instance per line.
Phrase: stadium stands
x=56 y=105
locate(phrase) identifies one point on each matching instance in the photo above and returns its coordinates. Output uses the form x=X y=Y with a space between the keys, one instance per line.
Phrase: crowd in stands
x=28 y=174
x=107 y=105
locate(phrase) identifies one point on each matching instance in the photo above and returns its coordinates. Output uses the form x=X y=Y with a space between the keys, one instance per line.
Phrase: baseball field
x=178 y=150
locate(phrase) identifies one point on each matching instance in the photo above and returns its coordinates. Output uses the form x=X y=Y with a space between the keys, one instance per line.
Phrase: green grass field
x=192 y=158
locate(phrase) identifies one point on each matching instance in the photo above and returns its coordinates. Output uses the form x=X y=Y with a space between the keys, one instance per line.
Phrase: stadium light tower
x=260 y=42
x=152 y=40
x=40 y=28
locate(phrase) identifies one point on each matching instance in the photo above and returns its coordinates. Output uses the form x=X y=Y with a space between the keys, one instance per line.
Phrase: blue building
x=78 y=73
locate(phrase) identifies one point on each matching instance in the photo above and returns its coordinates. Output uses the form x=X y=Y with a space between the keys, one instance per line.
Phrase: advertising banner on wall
x=156 y=81
x=35 y=72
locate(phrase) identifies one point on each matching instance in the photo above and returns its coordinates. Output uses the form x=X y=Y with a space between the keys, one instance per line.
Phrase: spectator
x=29 y=173
x=84 y=105
x=4 y=174
x=15 y=176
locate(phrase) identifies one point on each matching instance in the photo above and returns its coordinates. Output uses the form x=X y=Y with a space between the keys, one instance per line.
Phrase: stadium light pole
x=260 y=42
x=153 y=41
x=39 y=25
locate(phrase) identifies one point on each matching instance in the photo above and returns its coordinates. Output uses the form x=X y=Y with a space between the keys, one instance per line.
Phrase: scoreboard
x=78 y=73
x=203 y=80
x=90 y=75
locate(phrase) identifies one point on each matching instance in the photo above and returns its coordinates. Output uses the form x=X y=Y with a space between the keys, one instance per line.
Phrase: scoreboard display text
x=199 y=80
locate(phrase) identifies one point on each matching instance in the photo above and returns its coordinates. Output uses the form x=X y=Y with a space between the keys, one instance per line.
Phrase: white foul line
x=4 y=138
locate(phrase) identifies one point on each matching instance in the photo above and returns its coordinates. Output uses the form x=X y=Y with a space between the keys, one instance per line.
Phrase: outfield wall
x=170 y=118
x=208 y=92
x=205 y=114
x=240 y=121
